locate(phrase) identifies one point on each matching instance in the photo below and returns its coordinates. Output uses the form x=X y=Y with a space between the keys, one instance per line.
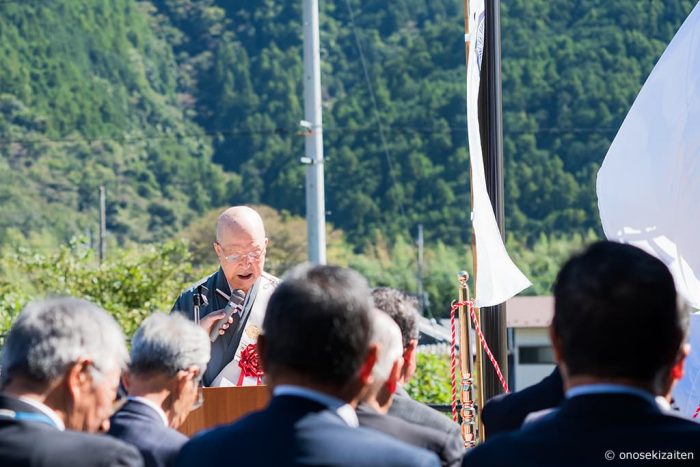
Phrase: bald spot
x=237 y=220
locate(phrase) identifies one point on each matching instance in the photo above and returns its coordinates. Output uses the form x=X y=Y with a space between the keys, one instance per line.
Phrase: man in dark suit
x=168 y=357
x=508 y=411
x=372 y=411
x=618 y=333
x=403 y=309
x=60 y=370
x=318 y=361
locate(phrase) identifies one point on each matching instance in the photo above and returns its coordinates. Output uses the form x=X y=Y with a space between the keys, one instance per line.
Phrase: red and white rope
x=453 y=363
x=470 y=305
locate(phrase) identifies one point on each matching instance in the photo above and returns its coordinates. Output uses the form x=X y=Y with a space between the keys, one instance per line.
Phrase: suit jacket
x=508 y=411
x=141 y=426
x=412 y=411
x=224 y=348
x=586 y=430
x=295 y=431
x=25 y=443
x=450 y=449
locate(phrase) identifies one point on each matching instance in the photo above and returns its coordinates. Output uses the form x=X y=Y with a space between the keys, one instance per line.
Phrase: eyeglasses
x=251 y=256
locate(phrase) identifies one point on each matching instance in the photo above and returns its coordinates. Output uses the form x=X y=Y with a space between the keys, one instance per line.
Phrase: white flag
x=497 y=278
x=649 y=183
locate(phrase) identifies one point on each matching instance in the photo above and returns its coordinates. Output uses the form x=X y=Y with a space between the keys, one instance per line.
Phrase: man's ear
x=556 y=345
x=125 y=380
x=77 y=378
x=678 y=368
x=409 y=352
x=394 y=376
x=183 y=379
x=368 y=365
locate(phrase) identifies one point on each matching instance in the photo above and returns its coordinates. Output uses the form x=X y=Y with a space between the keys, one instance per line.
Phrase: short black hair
x=317 y=324
x=617 y=314
x=402 y=308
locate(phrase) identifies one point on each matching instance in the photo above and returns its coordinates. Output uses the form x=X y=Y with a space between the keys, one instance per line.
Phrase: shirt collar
x=663 y=403
x=46 y=410
x=606 y=388
x=152 y=405
x=342 y=408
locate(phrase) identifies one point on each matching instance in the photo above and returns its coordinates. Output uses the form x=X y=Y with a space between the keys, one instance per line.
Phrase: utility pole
x=419 y=272
x=315 y=197
x=103 y=224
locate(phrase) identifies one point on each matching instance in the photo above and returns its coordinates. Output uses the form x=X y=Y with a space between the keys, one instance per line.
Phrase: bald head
x=238 y=219
x=240 y=246
x=387 y=335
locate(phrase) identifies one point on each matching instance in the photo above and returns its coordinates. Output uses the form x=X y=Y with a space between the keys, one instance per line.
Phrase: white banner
x=648 y=186
x=497 y=278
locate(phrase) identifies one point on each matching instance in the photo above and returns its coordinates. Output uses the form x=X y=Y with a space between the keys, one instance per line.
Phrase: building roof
x=529 y=312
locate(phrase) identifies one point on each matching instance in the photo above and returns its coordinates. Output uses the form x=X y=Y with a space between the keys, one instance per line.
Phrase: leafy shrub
x=131 y=284
x=431 y=382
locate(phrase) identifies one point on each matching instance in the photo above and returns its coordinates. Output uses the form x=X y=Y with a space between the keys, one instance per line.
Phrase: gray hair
x=402 y=308
x=52 y=334
x=167 y=344
x=387 y=335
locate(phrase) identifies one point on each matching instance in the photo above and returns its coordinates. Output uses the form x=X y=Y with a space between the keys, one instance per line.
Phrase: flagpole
x=493 y=318
x=478 y=364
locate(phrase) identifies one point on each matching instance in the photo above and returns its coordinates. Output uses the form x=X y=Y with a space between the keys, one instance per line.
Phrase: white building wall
x=527 y=374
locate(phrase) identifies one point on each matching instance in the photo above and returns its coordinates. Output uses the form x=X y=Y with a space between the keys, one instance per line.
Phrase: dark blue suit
x=585 y=428
x=295 y=431
x=141 y=426
x=39 y=443
x=507 y=412
x=450 y=449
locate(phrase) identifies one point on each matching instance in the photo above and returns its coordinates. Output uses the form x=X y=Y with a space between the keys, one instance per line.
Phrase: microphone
x=234 y=305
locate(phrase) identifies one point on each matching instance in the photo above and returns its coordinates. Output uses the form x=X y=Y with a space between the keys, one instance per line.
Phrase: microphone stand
x=199 y=300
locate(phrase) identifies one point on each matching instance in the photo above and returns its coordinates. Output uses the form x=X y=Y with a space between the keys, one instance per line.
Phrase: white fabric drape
x=497 y=277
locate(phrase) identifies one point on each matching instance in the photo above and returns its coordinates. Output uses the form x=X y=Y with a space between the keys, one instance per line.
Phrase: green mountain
x=91 y=95
x=177 y=106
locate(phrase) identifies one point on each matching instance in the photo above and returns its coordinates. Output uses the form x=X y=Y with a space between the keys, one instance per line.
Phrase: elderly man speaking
x=239 y=286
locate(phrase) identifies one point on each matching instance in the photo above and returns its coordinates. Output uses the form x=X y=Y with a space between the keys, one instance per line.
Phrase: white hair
x=168 y=344
x=52 y=334
x=387 y=335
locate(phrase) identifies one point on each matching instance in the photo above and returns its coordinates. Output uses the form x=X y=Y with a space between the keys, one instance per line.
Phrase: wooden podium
x=224 y=405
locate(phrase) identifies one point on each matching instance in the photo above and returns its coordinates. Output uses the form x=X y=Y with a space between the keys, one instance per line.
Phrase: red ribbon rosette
x=250 y=364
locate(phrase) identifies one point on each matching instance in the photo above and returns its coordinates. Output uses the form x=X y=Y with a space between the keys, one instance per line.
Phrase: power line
x=290 y=131
x=375 y=107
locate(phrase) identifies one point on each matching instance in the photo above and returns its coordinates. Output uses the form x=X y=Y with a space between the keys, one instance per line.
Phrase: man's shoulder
x=206 y=281
x=508 y=411
x=384 y=448
x=185 y=301
x=331 y=438
x=270 y=279
x=449 y=447
x=412 y=411
x=552 y=439
x=317 y=436
x=59 y=448
x=140 y=428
